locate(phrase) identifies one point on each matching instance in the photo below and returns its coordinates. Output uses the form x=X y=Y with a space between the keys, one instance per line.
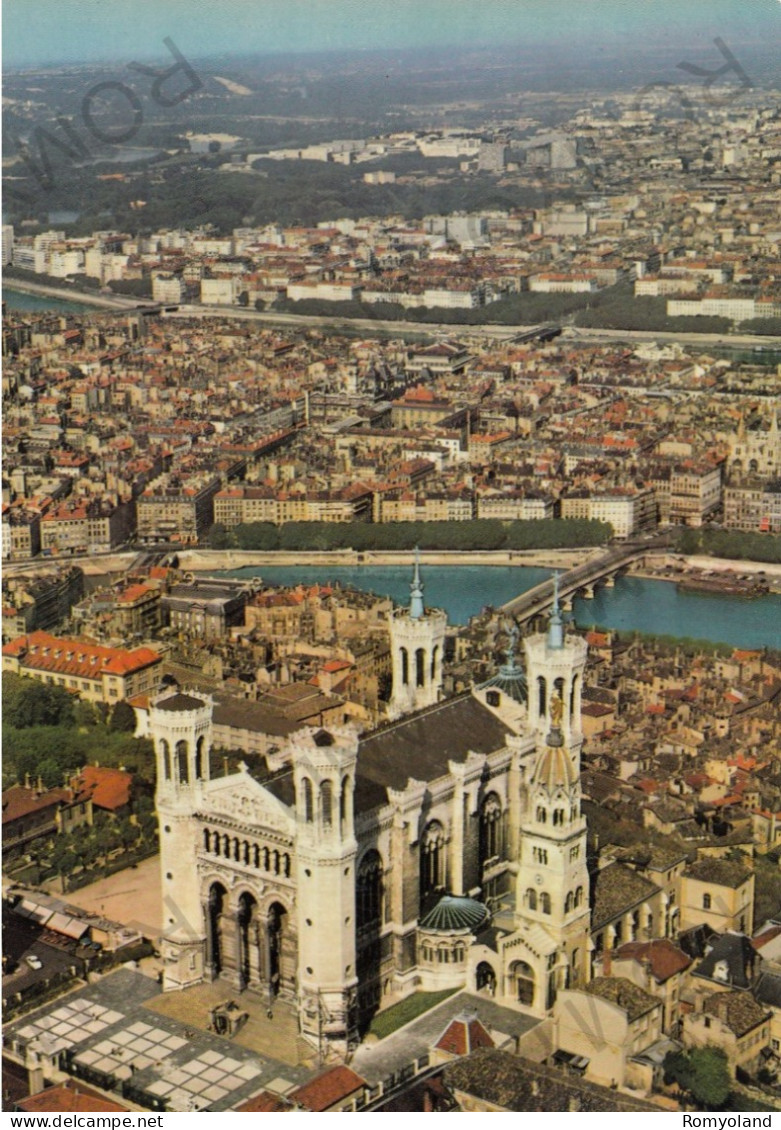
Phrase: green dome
x=455 y=913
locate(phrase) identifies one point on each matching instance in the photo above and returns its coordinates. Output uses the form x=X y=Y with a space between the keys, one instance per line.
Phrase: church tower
x=324 y=766
x=417 y=637
x=555 y=665
x=552 y=884
x=181 y=729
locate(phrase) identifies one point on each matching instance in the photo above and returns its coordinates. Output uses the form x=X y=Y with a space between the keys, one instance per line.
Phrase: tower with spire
x=417 y=637
x=548 y=949
x=555 y=665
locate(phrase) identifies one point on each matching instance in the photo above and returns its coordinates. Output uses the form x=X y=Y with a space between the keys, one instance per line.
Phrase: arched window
x=578 y=896
x=434 y=659
x=245 y=852
x=309 y=804
x=490 y=828
x=327 y=803
x=256 y=856
x=523 y=975
x=420 y=667
x=458 y=952
x=166 y=759
x=545 y=902
x=286 y=865
x=207 y=838
x=266 y=859
x=276 y=862
x=404 y=666
x=226 y=847
x=531 y=898
x=542 y=815
x=182 y=767
x=542 y=695
x=706 y=902
x=343 y=799
x=432 y=858
x=236 y=849
x=573 y=696
x=558 y=816
x=569 y=902
x=369 y=890
x=199 y=759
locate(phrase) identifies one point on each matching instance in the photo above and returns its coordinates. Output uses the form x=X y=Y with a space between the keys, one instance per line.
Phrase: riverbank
x=70 y=294
x=201 y=560
x=674 y=567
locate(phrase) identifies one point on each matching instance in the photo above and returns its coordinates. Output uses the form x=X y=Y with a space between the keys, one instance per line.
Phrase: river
x=27 y=303
x=634 y=604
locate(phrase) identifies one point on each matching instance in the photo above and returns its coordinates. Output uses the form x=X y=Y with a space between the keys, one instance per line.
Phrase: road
x=572 y=334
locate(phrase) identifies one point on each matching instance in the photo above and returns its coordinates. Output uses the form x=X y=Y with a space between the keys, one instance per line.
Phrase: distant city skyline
x=50 y=32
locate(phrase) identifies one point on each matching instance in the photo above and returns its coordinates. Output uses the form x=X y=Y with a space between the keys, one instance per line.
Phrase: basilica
x=446 y=848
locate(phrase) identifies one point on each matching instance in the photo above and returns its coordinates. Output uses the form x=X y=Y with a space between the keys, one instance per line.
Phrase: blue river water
x=23 y=302
x=634 y=604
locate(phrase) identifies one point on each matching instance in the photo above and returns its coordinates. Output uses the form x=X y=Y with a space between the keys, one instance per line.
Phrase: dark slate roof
x=615 y=890
x=768 y=989
x=740 y=957
x=738 y=1011
x=620 y=991
x=723 y=872
x=421 y=745
x=181 y=702
x=517 y=1084
x=454 y=913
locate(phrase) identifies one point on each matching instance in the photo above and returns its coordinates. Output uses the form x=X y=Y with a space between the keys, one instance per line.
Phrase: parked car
x=33 y=961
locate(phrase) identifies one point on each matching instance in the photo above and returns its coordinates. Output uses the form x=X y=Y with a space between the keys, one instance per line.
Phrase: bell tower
x=555 y=665
x=181 y=729
x=417 y=636
x=324 y=764
x=552 y=883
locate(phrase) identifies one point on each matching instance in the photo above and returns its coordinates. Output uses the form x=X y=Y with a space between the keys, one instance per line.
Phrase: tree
x=123 y=718
x=702 y=1073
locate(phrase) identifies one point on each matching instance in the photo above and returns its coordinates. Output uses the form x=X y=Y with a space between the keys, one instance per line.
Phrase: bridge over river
x=581 y=580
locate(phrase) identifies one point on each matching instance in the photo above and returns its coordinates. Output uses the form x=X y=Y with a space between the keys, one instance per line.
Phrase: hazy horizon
x=43 y=33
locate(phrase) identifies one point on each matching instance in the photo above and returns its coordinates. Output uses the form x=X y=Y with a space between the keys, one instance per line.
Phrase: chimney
x=607 y=962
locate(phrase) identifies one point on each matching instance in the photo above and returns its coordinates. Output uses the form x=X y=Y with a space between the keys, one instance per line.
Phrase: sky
x=39 y=32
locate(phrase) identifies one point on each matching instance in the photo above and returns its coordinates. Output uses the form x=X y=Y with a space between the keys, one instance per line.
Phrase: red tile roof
x=265 y=1103
x=69 y=1097
x=109 y=788
x=18 y=801
x=328 y=1089
x=463 y=1035
x=43 y=652
x=664 y=957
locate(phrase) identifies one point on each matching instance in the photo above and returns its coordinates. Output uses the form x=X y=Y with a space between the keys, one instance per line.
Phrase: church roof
x=554 y=769
x=455 y=913
x=421 y=745
x=180 y=702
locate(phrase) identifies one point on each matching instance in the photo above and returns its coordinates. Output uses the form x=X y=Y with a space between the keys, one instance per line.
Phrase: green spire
x=416 y=607
x=556 y=625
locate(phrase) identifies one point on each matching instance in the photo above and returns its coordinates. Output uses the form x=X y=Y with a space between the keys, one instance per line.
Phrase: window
x=432 y=858
x=706 y=902
x=490 y=828
x=369 y=890
x=545 y=902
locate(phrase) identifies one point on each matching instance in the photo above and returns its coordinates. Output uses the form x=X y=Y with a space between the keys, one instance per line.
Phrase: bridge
x=580 y=581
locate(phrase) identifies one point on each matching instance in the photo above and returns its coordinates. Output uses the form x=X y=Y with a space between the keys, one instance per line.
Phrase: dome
x=554 y=769
x=454 y=912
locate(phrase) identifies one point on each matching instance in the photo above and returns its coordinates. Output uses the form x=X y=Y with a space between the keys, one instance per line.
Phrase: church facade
x=446 y=848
